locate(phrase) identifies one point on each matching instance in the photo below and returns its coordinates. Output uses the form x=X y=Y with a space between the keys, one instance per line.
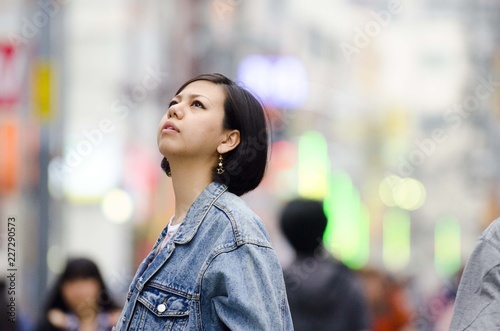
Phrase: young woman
x=212 y=267
x=80 y=301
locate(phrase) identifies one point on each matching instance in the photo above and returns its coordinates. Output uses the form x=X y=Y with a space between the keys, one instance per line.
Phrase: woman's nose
x=174 y=110
x=171 y=111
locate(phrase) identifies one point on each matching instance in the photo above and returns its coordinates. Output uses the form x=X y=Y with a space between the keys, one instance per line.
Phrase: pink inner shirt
x=171 y=230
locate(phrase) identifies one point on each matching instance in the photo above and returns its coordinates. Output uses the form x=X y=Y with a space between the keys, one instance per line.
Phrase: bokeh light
x=279 y=81
x=313 y=166
x=347 y=233
x=117 y=206
x=396 y=239
x=56 y=258
x=447 y=241
x=406 y=193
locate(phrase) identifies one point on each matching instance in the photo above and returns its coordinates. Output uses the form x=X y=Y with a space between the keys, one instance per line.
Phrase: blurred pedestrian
x=477 y=305
x=212 y=267
x=79 y=300
x=388 y=304
x=438 y=309
x=14 y=316
x=323 y=293
x=6 y=323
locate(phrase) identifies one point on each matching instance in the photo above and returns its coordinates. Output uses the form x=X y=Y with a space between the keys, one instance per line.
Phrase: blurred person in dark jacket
x=323 y=293
x=79 y=300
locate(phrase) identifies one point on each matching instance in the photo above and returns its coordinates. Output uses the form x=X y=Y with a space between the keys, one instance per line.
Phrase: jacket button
x=161 y=308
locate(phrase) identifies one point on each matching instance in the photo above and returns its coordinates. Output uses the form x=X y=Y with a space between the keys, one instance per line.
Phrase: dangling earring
x=220 y=168
x=166 y=167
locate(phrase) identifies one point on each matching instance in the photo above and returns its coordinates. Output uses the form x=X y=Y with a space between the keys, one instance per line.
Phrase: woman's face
x=193 y=123
x=81 y=295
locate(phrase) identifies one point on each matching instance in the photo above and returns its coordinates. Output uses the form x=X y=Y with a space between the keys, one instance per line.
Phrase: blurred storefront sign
x=10 y=86
x=10 y=77
x=42 y=90
x=9 y=165
x=279 y=81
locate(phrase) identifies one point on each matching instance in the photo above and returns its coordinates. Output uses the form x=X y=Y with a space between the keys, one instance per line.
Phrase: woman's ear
x=232 y=139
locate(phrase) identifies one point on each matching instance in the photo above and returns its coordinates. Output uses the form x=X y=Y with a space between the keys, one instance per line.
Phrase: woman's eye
x=196 y=103
x=173 y=102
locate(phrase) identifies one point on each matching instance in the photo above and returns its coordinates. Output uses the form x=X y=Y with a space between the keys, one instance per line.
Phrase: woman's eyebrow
x=192 y=96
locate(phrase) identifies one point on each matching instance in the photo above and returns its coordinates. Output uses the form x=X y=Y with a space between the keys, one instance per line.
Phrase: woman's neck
x=188 y=180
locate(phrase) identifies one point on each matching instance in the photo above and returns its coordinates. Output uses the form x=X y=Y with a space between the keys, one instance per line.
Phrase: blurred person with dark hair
x=79 y=300
x=323 y=293
x=477 y=305
x=213 y=266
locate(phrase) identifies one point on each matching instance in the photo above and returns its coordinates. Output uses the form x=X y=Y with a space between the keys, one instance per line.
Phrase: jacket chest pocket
x=161 y=310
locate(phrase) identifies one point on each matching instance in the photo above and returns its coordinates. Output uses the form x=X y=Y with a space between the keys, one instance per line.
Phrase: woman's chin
x=165 y=148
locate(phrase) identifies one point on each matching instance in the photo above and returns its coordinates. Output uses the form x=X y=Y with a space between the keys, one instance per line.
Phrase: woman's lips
x=169 y=126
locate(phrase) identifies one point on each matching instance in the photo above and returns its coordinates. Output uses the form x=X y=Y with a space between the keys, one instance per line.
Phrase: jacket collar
x=197 y=212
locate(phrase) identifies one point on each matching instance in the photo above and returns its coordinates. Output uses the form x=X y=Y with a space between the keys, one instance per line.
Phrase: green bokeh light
x=347 y=234
x=313 y=166
x=447 y=243
x=396 y=239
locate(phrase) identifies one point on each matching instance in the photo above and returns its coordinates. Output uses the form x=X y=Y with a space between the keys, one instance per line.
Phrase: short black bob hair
x=303 y=222
x=246 y=164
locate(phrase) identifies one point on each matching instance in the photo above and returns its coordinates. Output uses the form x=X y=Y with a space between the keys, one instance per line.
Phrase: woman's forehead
x=203 y=88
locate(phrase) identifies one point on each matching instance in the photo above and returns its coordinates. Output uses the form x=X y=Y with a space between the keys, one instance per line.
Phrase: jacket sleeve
x=477 y=306
x=246 y=291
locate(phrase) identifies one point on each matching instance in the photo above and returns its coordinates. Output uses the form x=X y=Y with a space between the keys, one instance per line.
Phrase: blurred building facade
x=404 y=95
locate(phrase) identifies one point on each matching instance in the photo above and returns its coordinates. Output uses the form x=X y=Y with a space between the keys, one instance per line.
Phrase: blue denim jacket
x=218 y=272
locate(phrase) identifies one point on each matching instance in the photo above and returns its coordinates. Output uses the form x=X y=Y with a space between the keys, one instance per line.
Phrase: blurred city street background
x=388 y=110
